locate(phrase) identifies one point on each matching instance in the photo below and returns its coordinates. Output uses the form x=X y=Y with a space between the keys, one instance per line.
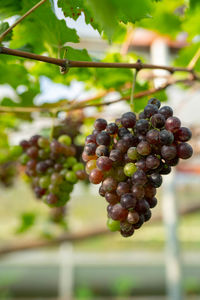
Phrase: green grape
x=132 y=153
x=70 y=162
x=113 y=225
x=65 y=139
x=78 y=167
x=130 y=169
x=71 y=177
x=44 y=182
x=43 y=142
x=24 y=158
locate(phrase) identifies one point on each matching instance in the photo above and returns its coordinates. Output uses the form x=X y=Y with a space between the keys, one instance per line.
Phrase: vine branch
x=76 y=237
x=2 y=36
x=63 y=63
x=88 y=102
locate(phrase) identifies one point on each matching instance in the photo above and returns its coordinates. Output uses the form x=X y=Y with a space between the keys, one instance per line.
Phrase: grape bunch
x=52 y=168
x=129 y=157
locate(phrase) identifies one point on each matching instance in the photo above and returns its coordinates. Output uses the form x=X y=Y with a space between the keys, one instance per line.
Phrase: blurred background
x=162 y=258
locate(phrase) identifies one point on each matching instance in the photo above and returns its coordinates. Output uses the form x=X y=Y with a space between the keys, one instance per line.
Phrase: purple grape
x=100 y=124
x=103 y=138
x=184 y=150
x=166 y=111
x=128 y=201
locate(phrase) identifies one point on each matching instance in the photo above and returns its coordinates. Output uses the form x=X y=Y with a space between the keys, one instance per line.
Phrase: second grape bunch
x=129 y=157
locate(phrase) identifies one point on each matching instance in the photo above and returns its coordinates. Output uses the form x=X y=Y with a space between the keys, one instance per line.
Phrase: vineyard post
x=173 y=268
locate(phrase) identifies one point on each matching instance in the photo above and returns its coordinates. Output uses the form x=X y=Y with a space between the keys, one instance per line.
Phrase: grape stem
x=76 y=237
x=7 y=31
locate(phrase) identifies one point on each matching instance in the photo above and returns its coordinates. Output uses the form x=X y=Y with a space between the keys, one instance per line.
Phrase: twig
x=76 y=237
x=133 y=90
x=194 y=60
x=90 y=64
x=2 y=36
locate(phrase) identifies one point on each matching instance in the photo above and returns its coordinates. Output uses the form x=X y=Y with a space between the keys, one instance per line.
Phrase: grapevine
x=129 y=157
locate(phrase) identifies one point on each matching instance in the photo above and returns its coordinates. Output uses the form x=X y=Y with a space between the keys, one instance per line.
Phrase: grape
x=184 y=134
x=41 y=167
x=34 y=140
x=116 y=155
x=141 y=164
x=130 y=169
x=133 y=217
x=158 y=120
x=78 y=167
x=152 y=136
x=31 y=164
x=103 y=138
x=39 y=192
x=123 y=131
x=132 y=153
x=138 y=191
x=130 y=156
x=104 y=163
x=122 y=188
x=184 y=150
x=32 y=152
x=166 y=137
x=142 y=206
x=44 y=181
x=127 y=233
x=90 y=139
x=102 y=150
x=173 y=124
x=100 y=124
x=71 y=176
x=150 y=110
x=109 y=184
x=122 y=146
x=147 y=215
x=155 y=102
x=102 y=192
x=128 y=201
x=152 y=162
x=112 y=128
x=168 y=152
x=165 y=169
x=51 y=199
x=130 y=140
x=55 y=147
x=155 y=179
x=139 y=223
x=149 y=191
x=81 y=175
x=144 y=148
x=152 y=202
x=96 y=176
x=128 y=120
x=112 y=198
x=113 y=225
x=43 y=142
x=119 y=213
x=65 y=139
x=166 y=111
x=90 y=148
x=142 y=126
x=56 y=178
x=139 y=177
x=25 y=144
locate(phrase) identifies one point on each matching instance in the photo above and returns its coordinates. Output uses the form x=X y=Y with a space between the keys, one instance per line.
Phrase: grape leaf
x=186 y=54
x=9 y=8
x=27 y=221
x=43 y=31
x=3 y=27
x=76 y=54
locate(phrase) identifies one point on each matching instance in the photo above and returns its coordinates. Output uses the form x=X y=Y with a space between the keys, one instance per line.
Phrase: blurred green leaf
x=27 y=221
x=76 y=54
x=3 y=27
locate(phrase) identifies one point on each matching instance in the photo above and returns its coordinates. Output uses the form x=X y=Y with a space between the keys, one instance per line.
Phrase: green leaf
x=186 y=54
x=76 y=54
x=9 y=8
x=27 y=221
x=42 y=30
x=3 y=27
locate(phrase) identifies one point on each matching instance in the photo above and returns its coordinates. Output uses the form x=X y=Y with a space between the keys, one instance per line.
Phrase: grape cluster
x=52 y=168
x=129 y=157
